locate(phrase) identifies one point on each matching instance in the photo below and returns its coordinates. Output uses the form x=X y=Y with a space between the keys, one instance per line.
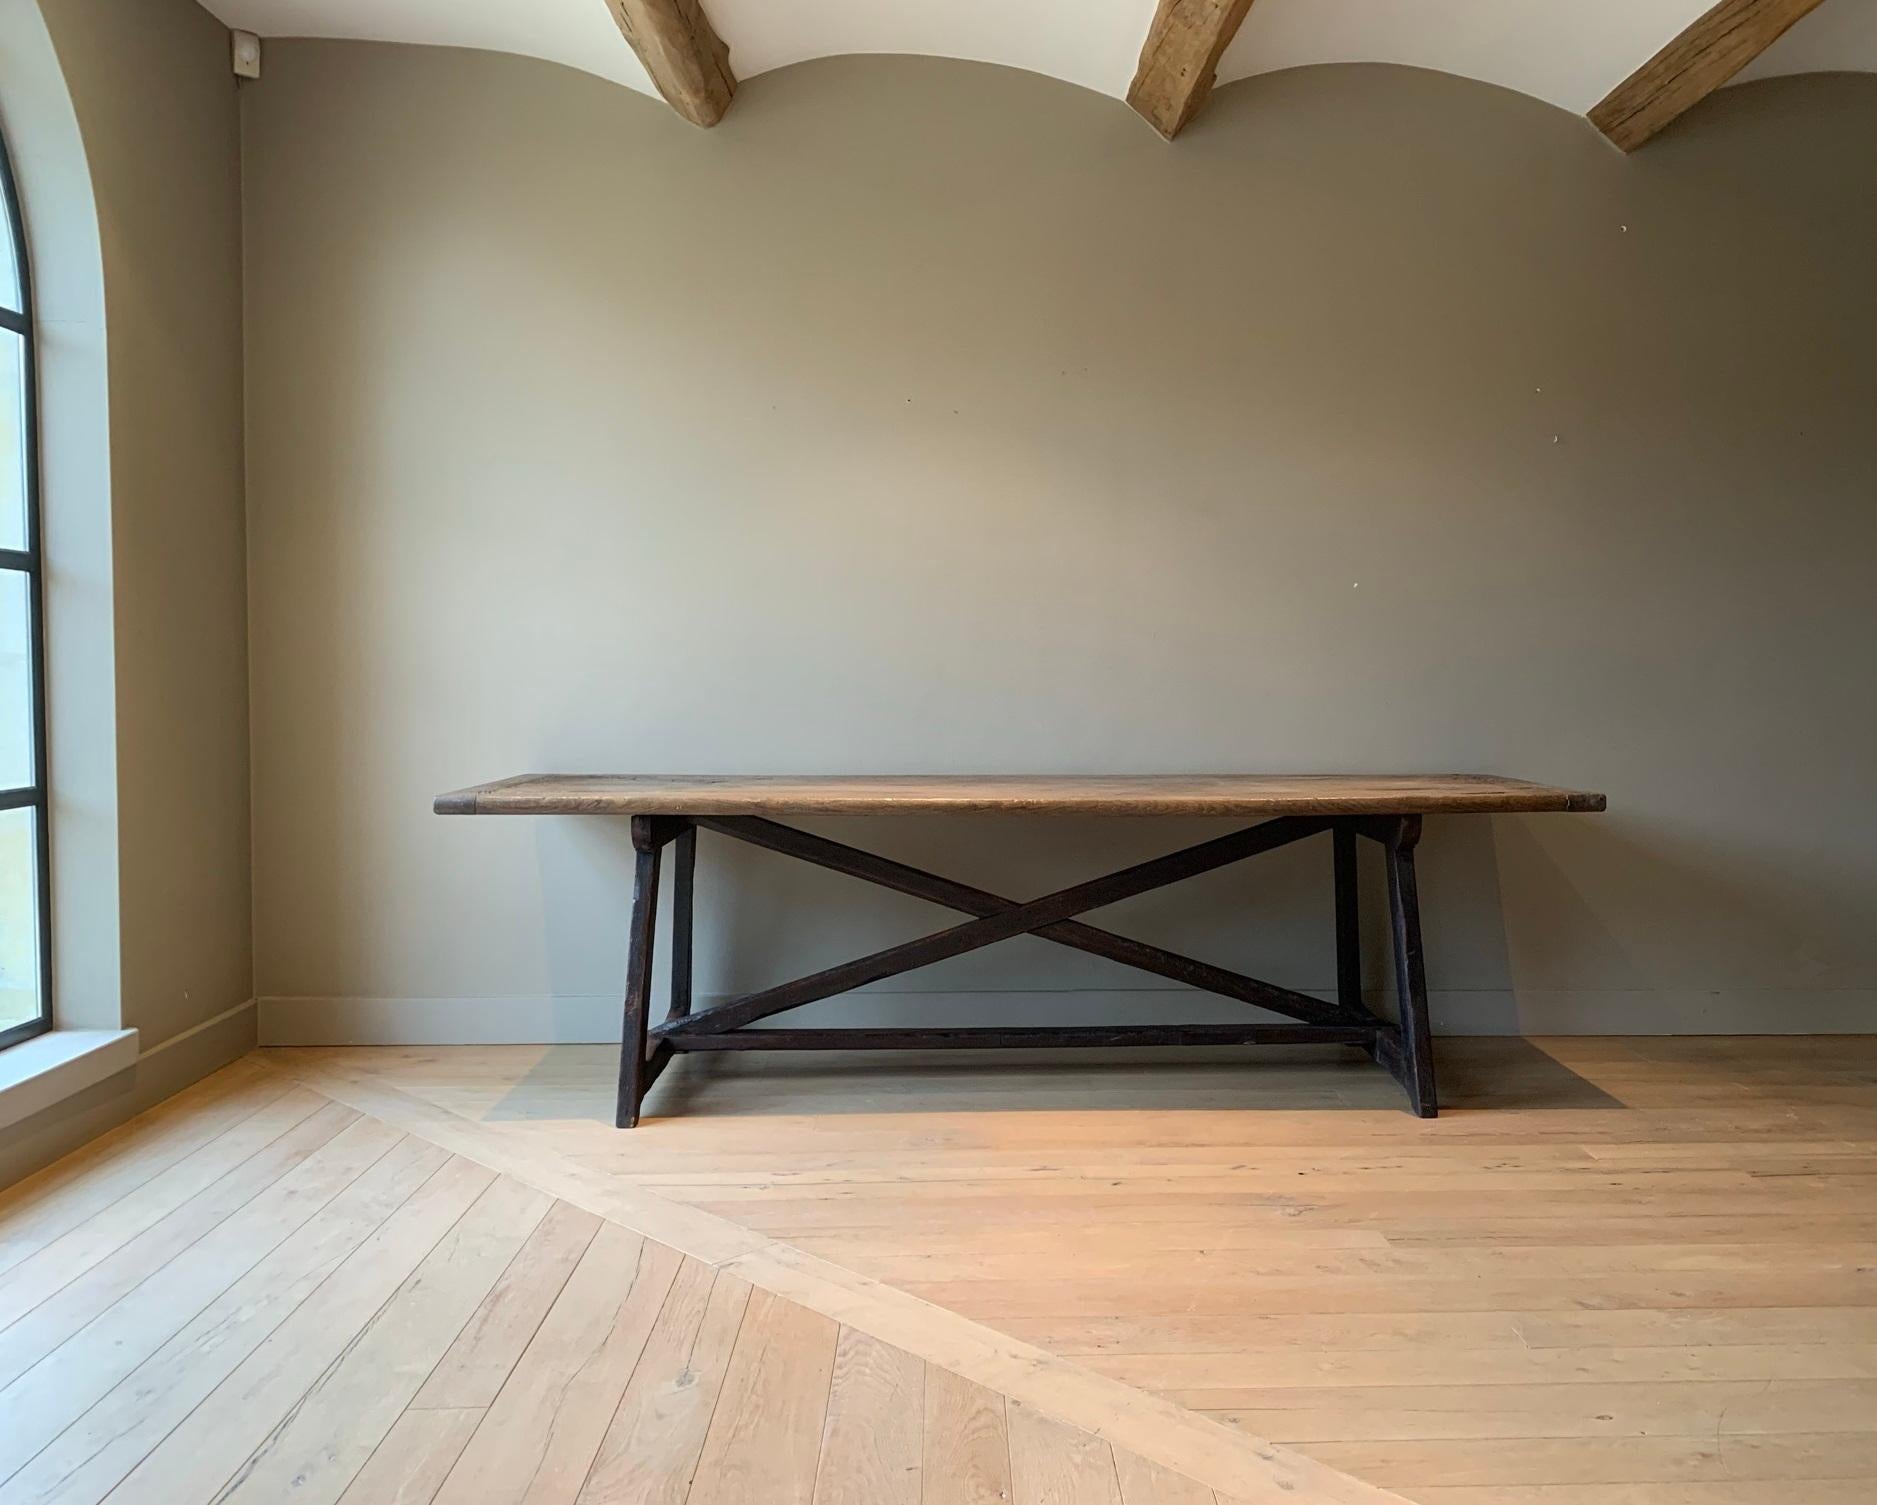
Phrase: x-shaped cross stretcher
x=1403 y=1048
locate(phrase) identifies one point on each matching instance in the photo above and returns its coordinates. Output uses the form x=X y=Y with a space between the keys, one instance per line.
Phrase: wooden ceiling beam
x=1711 y=51
x=1179 y=58
x=688 y=62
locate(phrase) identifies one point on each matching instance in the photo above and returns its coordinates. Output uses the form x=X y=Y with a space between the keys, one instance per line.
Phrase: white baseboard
x=595 y=1019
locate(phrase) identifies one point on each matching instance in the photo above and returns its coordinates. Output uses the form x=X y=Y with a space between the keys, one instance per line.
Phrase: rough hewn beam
x=1693 y=66
x=688 y=63
x=1179 y=57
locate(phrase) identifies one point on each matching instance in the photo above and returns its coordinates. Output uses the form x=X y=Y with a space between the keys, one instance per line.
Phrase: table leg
x=1414 y=1065
x=1348 y=922
x=683 y=879
x=642 y=931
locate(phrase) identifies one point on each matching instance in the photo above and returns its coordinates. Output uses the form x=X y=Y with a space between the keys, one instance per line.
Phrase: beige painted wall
x=157 y=107
x=932 y=416
x=139 y=287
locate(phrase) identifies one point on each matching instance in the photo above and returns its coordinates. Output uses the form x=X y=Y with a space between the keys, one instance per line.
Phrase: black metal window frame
x=29 y=562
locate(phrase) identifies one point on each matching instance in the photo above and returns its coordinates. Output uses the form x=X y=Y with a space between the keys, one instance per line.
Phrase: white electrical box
x=247 y=52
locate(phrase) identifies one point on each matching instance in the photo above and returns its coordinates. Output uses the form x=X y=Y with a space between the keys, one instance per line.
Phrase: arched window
x=25 y=914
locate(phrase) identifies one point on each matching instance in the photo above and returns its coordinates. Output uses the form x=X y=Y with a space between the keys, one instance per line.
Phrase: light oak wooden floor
x=256 y=1293
x=1614 y=1272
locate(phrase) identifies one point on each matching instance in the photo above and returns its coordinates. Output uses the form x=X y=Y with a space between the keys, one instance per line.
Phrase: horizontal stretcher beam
x=1038 y=1037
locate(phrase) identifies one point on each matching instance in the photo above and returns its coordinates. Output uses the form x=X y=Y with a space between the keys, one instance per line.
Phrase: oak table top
x=1013 y=794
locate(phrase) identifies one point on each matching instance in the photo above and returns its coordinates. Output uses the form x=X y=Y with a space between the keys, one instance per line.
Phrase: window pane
x=16 y=682
x=12 y=440
x=19 y=917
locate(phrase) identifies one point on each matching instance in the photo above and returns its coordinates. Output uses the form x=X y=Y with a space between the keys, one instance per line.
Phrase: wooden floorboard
x=872 y=1444
x=86 y=1297
x=966 y=1445
x=351 y=1316
x=189 y=1293
x=409 y=1466
x=1144 y=1483
x=1051 y=1464
x=235 y=1426
x=471 y=1374
x=335 y=1427
x=651 y=1448
x=1609 y=1264
x=765 y=1435
x=90 y=1181
x=544 y=1429
x=103 y=1441
x=1614 y=1273
x=1226 y=1459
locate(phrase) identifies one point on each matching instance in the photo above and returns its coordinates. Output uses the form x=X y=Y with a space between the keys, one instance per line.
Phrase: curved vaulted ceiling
x=1571 y=53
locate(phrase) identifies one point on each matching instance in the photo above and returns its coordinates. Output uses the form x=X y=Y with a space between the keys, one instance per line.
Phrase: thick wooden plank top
x=1011 y=794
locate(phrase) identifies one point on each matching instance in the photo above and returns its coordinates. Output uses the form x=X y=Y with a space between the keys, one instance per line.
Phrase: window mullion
x=16 y=331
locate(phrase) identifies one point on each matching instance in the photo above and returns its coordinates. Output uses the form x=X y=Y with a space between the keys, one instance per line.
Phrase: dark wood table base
x=1402 y=1049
